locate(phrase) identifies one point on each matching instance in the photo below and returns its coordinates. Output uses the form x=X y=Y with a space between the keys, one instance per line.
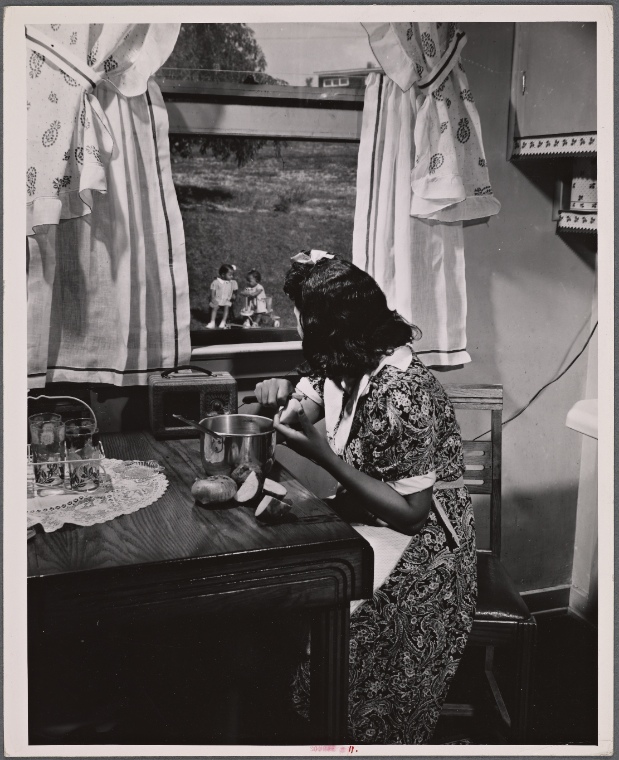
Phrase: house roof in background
x=348 y=72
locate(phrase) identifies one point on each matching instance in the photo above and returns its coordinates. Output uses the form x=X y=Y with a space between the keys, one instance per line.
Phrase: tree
x=215 y=52
x=218 y=53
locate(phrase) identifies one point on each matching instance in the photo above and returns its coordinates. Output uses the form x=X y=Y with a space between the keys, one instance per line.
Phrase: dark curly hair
x=347 y=325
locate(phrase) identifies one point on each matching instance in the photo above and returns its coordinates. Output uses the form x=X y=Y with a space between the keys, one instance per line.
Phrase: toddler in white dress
x=223 y=293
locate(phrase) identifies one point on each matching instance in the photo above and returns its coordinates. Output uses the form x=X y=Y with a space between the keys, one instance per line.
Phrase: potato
x=272 y=510
x=213 y=490
x=249 y=489
x=274 y=489
x=243 y=471
x=289 y=415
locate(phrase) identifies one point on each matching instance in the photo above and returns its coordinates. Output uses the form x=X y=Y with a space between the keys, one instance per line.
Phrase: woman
x=394 y=445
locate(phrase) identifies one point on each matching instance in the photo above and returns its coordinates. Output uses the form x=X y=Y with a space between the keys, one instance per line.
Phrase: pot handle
x=167 y=372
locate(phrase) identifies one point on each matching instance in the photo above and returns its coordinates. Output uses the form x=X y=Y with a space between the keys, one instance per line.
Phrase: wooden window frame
x=260 y=111
x=263 y=111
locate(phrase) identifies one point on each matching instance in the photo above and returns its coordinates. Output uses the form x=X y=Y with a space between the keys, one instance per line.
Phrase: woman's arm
x=277 y=392
x=406 y=514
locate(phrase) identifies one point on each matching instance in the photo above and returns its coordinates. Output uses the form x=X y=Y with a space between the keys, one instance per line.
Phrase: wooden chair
x=501 y=618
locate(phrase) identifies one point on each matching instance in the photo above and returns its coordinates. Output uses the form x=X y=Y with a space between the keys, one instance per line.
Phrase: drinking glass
x=47 y=439
x=82 y=454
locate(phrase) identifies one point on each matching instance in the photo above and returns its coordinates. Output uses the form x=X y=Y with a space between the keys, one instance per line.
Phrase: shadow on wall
x=544 y=173
x=528 y=517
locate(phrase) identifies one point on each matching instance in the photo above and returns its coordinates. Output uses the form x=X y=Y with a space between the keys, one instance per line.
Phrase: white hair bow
x=312 y=258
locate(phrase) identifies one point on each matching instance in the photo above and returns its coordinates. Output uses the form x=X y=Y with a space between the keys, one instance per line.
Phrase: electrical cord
x=543 y=388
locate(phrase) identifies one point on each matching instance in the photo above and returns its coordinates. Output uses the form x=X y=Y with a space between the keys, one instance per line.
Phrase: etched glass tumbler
x=47 y=447
x=83 y=454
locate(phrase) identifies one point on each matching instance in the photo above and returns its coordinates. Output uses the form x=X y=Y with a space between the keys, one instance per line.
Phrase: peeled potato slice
x=274 y=489
x=249 y=489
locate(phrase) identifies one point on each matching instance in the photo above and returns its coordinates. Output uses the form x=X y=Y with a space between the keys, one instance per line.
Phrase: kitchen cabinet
x=553 y=113
x=554 y=89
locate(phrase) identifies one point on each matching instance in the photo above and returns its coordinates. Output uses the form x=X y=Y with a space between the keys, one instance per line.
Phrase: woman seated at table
x=393 y=443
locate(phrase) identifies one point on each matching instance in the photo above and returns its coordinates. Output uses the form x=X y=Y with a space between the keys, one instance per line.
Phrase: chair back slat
x=478 y=466
x=482 y=459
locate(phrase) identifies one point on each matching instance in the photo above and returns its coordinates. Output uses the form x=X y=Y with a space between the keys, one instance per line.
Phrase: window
x=300 y=194
x=296 y=191
x=336 y=82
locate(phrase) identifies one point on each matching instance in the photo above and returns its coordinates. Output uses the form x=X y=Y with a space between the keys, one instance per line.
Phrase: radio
x=194 y=393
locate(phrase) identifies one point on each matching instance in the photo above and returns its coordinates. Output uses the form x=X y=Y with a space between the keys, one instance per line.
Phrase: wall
x=530 y=296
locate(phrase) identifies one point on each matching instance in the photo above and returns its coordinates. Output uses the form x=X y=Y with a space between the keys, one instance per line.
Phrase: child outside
x=256 y=304
x=223 y=293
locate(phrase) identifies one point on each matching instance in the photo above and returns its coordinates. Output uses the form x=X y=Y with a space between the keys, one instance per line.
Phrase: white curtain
x=107 y=278
x=421 y=171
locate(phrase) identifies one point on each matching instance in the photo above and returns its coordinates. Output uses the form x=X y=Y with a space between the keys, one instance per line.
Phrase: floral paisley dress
x=406 y=642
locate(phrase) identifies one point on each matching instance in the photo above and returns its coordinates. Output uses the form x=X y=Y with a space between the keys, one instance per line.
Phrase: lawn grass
x=261 y=214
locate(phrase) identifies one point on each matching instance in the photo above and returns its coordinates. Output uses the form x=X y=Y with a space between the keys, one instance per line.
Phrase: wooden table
x=178 y=561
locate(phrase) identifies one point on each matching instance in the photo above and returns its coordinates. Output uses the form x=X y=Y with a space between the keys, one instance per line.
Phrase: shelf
x=583 y=144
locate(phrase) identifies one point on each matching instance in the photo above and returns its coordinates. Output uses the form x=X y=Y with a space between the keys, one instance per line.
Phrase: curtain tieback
x=66 y=61
x=86 y=77
x=437 y=75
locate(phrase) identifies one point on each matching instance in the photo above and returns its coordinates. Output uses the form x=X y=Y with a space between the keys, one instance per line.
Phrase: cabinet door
x=554 y=78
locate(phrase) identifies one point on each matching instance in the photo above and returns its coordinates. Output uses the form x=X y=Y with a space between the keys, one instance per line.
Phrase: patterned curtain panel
x=419 y=263
x=107 y=278
x=421 y=172
x=449 y=177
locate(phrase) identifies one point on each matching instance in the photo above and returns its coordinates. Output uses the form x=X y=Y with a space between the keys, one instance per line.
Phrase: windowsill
x=237 y=341
x=239 y=335
x=232 y=349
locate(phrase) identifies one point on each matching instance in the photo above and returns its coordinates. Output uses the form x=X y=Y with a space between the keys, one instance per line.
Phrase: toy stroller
x=263 y=318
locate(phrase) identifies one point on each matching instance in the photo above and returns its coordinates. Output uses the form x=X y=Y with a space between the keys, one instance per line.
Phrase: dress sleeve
x=399 y=442
x=313 y=388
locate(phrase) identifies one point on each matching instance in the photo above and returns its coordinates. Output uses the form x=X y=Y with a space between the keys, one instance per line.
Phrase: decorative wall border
x=579 y=221
x=555 y=145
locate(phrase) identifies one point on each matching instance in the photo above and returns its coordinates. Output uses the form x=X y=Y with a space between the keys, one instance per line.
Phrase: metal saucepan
x=243 y=438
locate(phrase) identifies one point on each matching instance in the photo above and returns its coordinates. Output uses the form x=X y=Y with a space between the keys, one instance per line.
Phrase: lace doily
x=126 y=487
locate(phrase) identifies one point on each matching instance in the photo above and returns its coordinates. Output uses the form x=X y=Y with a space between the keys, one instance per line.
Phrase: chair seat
x=497 y=597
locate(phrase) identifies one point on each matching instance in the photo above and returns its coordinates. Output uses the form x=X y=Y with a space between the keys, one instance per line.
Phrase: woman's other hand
x=274 y=393
x=305 y=440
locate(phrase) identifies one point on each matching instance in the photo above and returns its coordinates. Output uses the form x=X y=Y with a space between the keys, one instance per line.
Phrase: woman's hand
x=274 y=392
x=305 y=440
